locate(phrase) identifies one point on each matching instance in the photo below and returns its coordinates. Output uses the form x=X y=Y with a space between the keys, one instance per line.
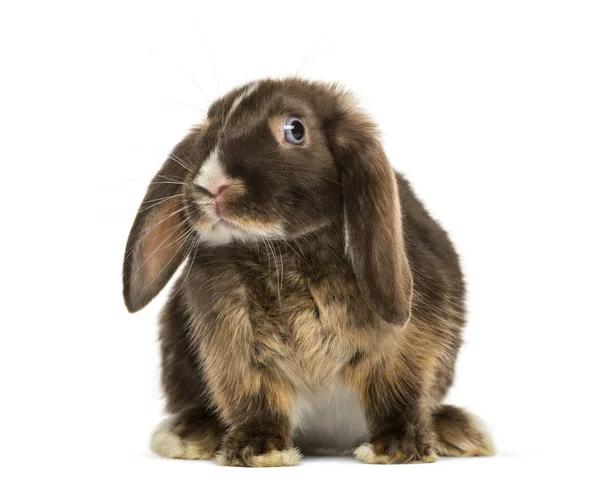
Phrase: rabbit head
x=275 y=159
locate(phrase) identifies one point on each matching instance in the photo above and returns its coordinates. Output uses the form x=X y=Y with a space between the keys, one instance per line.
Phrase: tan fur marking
x=238 y=380
x=236 y=188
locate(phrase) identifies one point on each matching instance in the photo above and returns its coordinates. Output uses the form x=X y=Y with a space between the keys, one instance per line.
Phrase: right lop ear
x=158 y=240
x=372 y=215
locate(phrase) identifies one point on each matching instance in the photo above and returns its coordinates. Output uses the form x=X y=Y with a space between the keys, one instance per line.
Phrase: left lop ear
x=372 y=217
x=158 y=240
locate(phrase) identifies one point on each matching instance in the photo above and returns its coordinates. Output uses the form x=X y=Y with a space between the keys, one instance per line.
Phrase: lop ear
x=372 y=217
x=158 y=239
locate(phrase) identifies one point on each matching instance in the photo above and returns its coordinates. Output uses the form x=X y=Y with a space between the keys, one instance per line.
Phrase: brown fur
x=351 y=280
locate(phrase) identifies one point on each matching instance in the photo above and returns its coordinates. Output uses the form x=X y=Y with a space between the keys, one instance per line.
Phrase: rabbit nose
x=220 y=189
x=213 y=192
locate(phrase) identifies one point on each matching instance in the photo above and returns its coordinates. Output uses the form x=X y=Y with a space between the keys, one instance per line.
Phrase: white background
x=492 y=110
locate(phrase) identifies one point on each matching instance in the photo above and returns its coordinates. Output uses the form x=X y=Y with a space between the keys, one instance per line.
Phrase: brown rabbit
x=320 y=306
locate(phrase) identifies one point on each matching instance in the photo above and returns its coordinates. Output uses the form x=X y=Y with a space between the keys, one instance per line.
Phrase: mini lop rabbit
x=320 y=307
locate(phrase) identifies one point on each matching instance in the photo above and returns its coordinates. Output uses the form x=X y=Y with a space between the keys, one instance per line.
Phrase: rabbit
x=319 y=309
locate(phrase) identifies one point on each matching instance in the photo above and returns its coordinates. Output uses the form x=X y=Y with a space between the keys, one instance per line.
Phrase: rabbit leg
x=398 y=418
x=259 y=433
x=193 y=434
x=193 y=430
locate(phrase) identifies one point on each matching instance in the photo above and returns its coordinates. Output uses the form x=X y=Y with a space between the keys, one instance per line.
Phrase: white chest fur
x=330 y=421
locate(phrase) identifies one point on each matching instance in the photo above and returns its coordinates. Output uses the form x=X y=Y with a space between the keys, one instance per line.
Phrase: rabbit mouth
x=224 y=231
x=229 y=224
x=223 y=227
x=234 y=229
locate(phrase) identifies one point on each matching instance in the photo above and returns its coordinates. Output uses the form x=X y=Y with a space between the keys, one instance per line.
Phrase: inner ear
x=155 y=249
x=160 y=235
x=160 y=245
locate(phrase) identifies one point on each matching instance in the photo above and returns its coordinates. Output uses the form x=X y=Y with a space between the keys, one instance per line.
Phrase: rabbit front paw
x=241 y=449
x=390 y=450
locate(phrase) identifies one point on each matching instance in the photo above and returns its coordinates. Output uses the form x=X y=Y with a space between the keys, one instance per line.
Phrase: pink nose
x=214 y=192
x=219 y=190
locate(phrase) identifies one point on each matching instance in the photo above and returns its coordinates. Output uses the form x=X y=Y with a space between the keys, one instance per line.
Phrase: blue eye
x=294 y=130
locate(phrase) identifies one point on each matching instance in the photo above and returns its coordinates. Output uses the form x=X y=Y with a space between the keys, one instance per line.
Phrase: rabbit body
x=322 y=337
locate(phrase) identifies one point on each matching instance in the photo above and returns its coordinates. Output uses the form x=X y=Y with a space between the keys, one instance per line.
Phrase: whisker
x=160 y=201
x=168 y=182
x=179 y=161
x=190 y=265
x=268 y=257
x=302 y=259
x=138 y=179
x=270 y=243
x=171 y=178
x=195 y=82
x=142 y=210
x=282 y=274
x=174 y=230
x=308 y=56
x=191 y=106
x=160 y=221
x=212 y=62
x=189 y=163
x=164 y=198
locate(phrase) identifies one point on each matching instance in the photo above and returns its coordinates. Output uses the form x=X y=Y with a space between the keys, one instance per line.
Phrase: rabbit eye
x=294 y=130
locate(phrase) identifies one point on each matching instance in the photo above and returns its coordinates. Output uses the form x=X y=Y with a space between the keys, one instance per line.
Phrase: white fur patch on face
x=238 y=99
x=211 y=174
x=329 y=421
